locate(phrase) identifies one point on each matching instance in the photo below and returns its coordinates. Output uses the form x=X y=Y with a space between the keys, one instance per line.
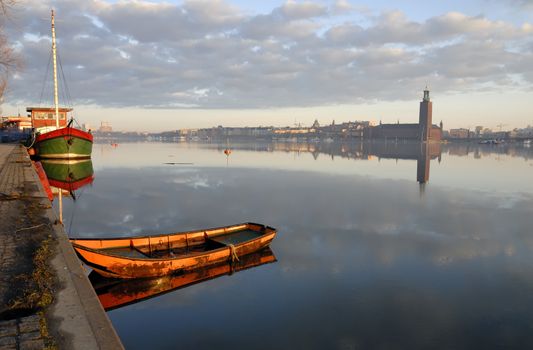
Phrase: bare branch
x=8 y=59
x=5 y=7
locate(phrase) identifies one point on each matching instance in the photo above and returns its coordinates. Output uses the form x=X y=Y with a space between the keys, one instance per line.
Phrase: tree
x=8 y=59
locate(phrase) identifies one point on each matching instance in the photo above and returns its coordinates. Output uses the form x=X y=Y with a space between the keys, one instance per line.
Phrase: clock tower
x=425 y=117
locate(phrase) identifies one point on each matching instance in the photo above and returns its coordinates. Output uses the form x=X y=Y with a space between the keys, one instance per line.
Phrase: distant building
x=460 y=133
x=105 y=127
x=423 y=131
x=293 y=131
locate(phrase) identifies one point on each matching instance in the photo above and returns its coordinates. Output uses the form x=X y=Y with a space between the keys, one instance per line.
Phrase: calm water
x=367 y=257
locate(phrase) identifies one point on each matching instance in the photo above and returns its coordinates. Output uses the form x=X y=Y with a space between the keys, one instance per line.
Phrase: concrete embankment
x=46 y=299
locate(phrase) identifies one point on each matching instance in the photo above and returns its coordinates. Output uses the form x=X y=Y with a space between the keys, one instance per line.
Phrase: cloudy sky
x=185 y=64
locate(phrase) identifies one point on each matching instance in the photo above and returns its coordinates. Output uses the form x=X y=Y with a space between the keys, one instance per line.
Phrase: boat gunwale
x=267 y=228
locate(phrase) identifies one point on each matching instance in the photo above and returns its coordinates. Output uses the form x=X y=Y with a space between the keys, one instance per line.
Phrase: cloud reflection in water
x=362 y=261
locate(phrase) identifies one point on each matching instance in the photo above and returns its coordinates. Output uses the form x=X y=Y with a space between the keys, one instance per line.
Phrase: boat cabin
x=45 y=117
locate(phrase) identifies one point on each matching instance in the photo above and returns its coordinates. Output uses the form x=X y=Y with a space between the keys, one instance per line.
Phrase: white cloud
x=300 y=10
x=209 y=54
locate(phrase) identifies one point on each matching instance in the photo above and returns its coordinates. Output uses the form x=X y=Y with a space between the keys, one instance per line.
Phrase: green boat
x=64 y=143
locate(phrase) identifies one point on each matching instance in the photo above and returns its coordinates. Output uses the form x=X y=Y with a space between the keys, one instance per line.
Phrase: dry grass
x=38 y=290
x=38 y=287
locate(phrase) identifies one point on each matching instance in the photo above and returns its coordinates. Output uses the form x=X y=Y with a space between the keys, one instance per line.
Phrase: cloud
x=294 y=10
x=516 y=3
x=210 y=54
x=342 y=6
x=395 y=27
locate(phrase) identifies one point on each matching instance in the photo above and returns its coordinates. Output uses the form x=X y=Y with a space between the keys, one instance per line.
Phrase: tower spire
x=426 y=94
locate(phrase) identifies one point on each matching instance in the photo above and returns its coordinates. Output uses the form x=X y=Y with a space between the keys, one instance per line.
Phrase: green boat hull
x=67 y=143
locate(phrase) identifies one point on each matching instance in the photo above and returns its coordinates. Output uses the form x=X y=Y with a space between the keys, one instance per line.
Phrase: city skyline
x=197 y=64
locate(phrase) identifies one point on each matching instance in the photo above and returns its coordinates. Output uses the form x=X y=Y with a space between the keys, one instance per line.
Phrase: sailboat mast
x=56 y=99
x=56 y=102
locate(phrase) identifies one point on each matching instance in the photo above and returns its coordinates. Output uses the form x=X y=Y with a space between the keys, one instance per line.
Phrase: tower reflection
x=422 y=152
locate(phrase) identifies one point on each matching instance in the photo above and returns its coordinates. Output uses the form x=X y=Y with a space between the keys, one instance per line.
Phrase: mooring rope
x=30 y=228
x=233 y=253
x=74 y=206
x=25 y=229
x=45 y=78
x=66 y=94
x=33 y=138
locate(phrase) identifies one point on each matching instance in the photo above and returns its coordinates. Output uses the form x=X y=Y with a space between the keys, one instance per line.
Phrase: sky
x=154 y=65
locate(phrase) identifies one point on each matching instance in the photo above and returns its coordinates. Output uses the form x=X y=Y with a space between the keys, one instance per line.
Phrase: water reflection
x=364 y=261
x=464 y=165
x=115 y=293
x=395 y=150
x=68 y=176
x=422 y=152
x=62 y=177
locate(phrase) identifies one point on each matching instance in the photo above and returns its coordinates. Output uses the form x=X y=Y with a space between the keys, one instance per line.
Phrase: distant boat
x=55 y=138
x=227 y=151
x=115 y=293
x=152 y=256
x=490 y=142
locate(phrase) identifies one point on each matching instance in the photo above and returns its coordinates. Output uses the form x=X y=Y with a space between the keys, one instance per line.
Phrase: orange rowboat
x=115 y=293
x=153 y=256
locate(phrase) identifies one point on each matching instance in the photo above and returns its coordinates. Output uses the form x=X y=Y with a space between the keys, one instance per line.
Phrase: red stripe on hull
x=69 y=132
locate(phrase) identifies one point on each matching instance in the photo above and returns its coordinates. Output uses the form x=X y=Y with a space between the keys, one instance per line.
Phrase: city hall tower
x=425 y=117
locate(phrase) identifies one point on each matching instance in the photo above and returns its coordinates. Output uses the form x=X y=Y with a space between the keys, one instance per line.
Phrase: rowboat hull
x=115 y=293
x=153 y=256
x=64 y=143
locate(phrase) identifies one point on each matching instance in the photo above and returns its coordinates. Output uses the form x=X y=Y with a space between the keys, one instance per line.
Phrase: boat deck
x=236 y=237
x=233 y=238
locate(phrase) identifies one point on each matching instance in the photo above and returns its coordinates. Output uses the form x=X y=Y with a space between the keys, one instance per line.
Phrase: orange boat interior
x=178 y=244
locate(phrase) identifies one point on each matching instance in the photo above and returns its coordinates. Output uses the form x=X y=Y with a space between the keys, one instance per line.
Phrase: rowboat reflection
x=64 y=176
x=115 y=293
